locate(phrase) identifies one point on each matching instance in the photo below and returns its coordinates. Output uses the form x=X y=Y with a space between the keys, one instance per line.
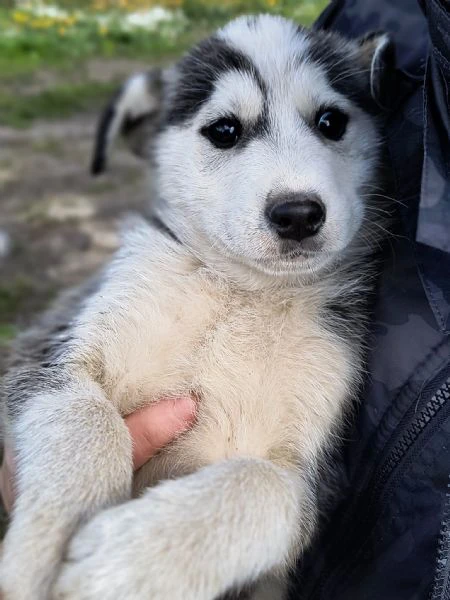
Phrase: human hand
x=151 y=428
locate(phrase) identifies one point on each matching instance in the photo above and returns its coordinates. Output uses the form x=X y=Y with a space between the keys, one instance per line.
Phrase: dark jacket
x=389 y=537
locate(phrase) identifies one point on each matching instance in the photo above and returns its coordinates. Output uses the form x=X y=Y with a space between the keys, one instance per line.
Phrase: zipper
x=378 y=485
x=441 y=585
x=415 y=429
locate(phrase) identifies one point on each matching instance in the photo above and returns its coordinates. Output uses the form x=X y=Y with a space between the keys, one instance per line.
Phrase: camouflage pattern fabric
x=389 y=535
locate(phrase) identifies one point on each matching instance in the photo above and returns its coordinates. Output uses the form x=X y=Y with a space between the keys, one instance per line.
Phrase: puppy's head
x=264 y=141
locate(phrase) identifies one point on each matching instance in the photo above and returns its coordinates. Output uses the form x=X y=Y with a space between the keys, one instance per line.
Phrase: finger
x=156 y=425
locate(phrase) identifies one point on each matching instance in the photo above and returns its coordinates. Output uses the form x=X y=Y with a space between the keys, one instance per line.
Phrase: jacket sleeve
x=433 y=221
x=421 y=32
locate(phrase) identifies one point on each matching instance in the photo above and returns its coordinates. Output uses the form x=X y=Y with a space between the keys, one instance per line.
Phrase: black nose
x=296 y=216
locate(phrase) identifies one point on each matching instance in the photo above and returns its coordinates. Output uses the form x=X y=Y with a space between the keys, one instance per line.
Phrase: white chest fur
x=270 y=379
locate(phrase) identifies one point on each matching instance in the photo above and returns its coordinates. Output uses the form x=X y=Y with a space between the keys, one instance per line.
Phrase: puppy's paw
x=102 y=561
x=29 y=563
x=117 y=556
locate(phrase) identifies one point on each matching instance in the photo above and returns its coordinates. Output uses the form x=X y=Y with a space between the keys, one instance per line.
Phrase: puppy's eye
x=224 y=133
x=331 y=123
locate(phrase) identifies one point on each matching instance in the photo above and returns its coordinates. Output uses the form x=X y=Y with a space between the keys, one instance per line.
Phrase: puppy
x=245 y=287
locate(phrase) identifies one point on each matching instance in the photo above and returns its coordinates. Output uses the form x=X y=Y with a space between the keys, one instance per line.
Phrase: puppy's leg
x=73 y=455
x=193 y=538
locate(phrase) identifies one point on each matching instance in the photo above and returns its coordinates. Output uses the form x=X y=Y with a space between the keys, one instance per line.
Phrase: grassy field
x=60 y=39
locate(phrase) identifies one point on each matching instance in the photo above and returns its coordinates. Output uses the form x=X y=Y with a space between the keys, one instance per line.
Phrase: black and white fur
x=204 y=298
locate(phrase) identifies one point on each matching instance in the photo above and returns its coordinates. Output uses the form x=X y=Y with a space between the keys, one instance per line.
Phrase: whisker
x=347 y=74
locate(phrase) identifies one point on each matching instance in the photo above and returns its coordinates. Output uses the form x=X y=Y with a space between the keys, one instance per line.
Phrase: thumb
x=154 y=426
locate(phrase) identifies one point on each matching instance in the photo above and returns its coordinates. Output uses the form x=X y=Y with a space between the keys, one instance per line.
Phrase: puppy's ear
x=377 y=52
x=133 y=112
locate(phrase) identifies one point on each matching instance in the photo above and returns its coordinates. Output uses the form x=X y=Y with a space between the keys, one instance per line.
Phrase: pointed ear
x=377 y=52
x=133 y=112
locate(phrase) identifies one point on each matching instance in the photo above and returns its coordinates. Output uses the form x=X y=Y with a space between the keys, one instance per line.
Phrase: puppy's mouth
x=282 y=258
x=294 y=259
x=291 y=250
x=293 y=256
x=300 y=254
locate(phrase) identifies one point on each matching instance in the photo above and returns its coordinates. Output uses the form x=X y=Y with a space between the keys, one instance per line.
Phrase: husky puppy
x=244 y=287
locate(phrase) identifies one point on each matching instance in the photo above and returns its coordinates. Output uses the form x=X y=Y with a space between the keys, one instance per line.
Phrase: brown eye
x=224 y=133
x=331 y=123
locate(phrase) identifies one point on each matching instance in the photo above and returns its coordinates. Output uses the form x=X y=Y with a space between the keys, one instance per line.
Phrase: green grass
x=303 y=11
x=55 y=103
x=28 y=50
x=7 y=333
x=12 y=297
x=25 y=50
x=20 y=296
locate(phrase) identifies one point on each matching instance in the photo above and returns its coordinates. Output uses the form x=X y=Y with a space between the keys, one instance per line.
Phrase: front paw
x=117 y=556
x=101 y=561
x=30 y=560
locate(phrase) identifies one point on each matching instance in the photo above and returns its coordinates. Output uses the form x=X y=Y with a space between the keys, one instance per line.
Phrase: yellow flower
x=99 y=5
x=103 y=30
x=43 y=23
x=20 y=17
x=62 y=31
